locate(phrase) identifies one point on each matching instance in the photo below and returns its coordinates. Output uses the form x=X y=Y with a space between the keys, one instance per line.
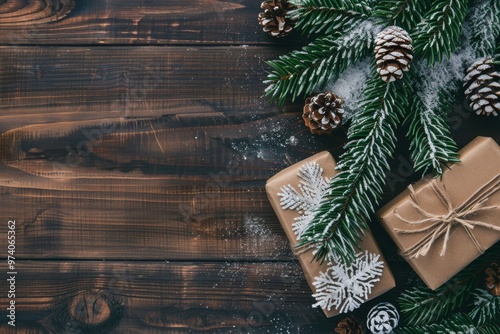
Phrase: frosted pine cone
x=274 y=20
x=382 y=318
x=323 y=112
x=349 y=325
x=482 y=87
x=393 y=53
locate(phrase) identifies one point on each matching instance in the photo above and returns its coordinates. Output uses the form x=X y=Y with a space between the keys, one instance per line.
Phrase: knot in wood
x=90 y=308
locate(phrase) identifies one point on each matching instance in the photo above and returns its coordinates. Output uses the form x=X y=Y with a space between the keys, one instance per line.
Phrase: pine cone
x=492 y=280
x=323 y=112
x=349 y=325
x=393 y=53
x=482 y=84
x=274 y=20
x=382 y=318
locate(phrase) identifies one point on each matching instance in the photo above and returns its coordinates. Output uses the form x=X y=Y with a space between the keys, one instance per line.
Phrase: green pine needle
x=429 y=134
x=328 y=16
x=484 y=26
x=439 y=31
x=403 y=13
x=486 y=307
x=458 y=323
x=423 y=306
x=353 y=194
x=301 y=72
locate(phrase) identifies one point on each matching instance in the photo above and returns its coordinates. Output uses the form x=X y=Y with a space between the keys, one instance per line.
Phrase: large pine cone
x=482 y=87
x=323 y=112
x=274 y=20
x=349 y=325
x=492 y=280
x=393 y=53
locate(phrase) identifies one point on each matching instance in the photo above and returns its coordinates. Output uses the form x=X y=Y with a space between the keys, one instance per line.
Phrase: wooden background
x=135 y=145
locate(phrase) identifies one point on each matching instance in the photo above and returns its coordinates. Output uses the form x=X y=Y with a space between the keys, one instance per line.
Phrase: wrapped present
x=442 y=224
x=294 y=194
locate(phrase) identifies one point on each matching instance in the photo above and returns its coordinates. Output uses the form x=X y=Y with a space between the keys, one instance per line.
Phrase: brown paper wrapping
x=286 y=217
x=480 y=164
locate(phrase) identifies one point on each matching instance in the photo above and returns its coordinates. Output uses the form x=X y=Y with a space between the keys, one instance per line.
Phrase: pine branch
x=489 y=329
x=486 y=307
x=403 y=13
x=458 y=323
x=340 y=221
x=484 y=18
x=302 y=71
x=429 y=134
x=423 y=306
x=328 y=16
x=439 y=31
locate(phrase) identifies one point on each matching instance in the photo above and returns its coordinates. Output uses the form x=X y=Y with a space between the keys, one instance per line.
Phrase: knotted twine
x=442 y=224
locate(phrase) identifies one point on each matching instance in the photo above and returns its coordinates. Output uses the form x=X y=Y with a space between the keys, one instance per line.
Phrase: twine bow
x=441 y=224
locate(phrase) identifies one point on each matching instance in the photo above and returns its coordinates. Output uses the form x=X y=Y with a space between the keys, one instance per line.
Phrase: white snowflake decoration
x=341 y=286
x=347 y=287
x=312 y=186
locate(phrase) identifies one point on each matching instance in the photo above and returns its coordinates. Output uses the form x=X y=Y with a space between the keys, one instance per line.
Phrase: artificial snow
x=450 y=73
x=350 y=86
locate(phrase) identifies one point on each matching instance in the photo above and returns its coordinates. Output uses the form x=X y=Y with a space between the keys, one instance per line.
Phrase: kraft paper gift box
x=286 y=217
x=457 y=215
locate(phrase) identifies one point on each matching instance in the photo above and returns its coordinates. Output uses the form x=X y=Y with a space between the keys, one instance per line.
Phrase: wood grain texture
x=135 y=143
x=111 y=22
x=60 y=84
x=23 y=13
x=190 y=189
x=162 y=297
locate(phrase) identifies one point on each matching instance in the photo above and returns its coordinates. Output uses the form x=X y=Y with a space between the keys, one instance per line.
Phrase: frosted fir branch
x=347 y=287
x=328 y=16
x=403 y=13
x=430 y=138
x=486 y=307
x=303 y=71
x=439 y=31
x=484 y=22
x=456 y=324
x=340 y=221
x=429 y=134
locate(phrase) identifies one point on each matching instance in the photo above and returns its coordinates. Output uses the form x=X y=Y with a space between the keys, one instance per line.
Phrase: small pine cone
x=393 y=53
x=482 y=87
x=274 y=20
x=323 y=112
x=492 y=280
x=349 y=325
x=382 y=318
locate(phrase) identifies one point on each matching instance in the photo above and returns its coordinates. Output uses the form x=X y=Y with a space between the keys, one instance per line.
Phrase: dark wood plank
x=61 y=84
x=191 y=189
x=160 y=297
x=24 y=22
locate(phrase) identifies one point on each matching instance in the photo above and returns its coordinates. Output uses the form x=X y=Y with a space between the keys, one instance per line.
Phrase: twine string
x=441 y=225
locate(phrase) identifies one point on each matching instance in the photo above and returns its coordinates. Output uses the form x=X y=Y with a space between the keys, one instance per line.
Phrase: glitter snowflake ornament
x=382 y=318
x=347 y=287
x=312 y=186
